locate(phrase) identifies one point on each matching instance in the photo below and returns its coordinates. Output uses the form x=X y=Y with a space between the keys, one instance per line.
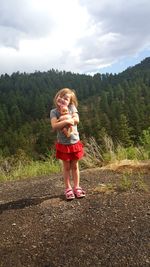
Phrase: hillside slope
x=118 y=105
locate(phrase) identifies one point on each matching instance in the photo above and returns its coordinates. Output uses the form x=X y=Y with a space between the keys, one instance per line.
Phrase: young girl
x=68 y=149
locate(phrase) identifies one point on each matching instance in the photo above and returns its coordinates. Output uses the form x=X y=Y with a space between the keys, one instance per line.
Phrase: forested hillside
x=117 y=105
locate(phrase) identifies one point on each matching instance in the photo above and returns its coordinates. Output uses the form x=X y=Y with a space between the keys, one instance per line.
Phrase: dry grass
x=128 y=166
x=105 y=188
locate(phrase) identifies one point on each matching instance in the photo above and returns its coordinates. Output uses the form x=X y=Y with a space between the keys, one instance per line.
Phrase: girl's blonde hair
x=64 y=91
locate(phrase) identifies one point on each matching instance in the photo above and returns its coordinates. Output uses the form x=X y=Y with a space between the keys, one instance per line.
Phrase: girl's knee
x=66 y=165
x=74 y=165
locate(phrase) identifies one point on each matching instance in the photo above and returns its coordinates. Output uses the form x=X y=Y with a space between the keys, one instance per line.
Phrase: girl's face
x=63 y=100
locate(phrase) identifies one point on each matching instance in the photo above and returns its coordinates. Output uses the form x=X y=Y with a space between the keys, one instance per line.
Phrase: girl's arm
x=58 y=125
x=64 y=117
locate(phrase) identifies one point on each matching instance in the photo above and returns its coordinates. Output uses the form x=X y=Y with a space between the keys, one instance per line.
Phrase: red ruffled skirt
x=69 y=152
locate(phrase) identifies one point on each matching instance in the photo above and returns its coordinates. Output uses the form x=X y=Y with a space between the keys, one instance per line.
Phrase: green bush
x=145 y=138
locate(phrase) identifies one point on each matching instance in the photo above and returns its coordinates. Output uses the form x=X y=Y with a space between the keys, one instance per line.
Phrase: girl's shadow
x=26 y=202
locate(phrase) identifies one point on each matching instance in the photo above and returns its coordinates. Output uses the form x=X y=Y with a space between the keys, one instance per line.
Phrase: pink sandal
x=69 y=194
x=79 y=192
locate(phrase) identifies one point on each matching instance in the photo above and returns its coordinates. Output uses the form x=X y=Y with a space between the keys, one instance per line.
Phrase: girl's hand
x=70 y=121
x=75 y=117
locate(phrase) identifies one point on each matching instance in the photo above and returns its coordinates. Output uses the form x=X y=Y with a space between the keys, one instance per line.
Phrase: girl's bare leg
x=75 y=172
x=66 y=173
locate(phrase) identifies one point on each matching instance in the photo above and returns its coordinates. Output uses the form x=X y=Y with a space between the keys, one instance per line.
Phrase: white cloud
x=77 y=35
x=121 y=29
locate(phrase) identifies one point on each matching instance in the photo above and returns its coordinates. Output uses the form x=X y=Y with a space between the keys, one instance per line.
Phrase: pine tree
x=124 y=131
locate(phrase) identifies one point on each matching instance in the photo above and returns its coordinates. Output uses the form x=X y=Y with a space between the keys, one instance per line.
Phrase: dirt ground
x=109 y=227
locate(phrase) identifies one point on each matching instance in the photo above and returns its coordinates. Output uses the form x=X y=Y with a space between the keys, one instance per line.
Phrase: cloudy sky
x=83 y=36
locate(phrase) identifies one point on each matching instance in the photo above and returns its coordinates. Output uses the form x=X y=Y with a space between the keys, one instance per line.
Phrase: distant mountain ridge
x=144 y=65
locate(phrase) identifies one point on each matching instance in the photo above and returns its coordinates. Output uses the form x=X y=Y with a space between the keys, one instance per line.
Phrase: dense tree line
x=117 y=105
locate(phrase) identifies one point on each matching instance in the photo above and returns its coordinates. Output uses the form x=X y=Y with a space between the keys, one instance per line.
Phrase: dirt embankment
x=110 y=227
